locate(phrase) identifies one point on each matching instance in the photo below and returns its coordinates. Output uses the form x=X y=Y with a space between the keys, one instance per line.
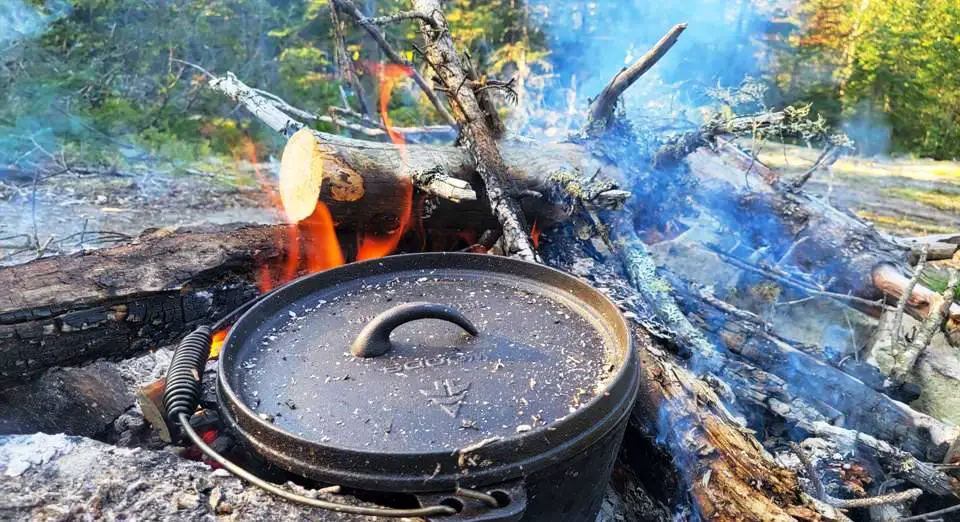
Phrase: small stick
x=401 y=16
x=828 y=157
x=902 y=305
x=933 y=515
x=907 y=358
x=809 y=469
x=841 y=503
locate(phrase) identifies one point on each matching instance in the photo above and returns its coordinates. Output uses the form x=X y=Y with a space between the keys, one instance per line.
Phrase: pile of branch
x=697 y=345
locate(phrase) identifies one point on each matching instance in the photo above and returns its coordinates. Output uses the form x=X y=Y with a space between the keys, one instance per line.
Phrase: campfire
x=602 y=328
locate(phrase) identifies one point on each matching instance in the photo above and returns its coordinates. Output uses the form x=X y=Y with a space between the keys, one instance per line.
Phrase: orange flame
x=535 y=234
x=216 y=345
x=371 y=246
x=309 y=246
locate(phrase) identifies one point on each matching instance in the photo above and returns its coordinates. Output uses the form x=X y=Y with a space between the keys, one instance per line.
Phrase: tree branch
x=475 y=133
x=403 y=15
x=601 y=110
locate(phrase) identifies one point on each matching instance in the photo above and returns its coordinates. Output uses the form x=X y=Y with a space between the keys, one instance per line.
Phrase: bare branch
x=828 y=157
x=351 y=10
x=476 y=136
x=404 y=15
x=907 y=294
x=601 y=109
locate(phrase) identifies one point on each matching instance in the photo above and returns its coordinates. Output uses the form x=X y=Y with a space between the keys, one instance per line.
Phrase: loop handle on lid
x=374 y=339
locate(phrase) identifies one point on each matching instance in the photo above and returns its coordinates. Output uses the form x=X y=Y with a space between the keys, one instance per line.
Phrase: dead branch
x=345 y=66
x=401 y=16
x=476 y=135
x=265 y=110
x=899 y=497
x=902 y=305
x=932 y=515
x=899 y=462
x=269 y=109
x=921 y=301
x=347 y=7
x=601 y=111
x=680 y=146
x=828 y=157
x=497 y=127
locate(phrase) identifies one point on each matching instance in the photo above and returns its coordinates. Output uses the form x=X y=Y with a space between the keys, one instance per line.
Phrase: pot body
x=556 y=472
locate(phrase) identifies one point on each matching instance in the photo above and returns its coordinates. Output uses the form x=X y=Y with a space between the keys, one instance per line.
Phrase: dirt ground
x=905 y=197
x=75 y=210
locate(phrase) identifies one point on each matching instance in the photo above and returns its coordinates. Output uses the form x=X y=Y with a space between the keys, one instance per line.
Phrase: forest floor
x=905 y=197
x=83 y=210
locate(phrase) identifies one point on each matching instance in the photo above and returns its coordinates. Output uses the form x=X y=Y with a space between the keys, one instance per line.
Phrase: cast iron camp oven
x=488 y=388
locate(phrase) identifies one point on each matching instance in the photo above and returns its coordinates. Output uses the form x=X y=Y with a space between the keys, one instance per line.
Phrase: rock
x=186 y=501
x=76 y=401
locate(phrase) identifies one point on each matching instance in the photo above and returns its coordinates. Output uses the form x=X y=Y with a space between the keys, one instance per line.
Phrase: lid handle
x=374 y=339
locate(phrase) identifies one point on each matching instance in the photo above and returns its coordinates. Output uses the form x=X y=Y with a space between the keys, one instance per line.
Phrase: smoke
x=19 y=20
x=726 y=41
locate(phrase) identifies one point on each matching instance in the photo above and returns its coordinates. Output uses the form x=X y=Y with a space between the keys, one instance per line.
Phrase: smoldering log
x=836 y=395
x=734 y=478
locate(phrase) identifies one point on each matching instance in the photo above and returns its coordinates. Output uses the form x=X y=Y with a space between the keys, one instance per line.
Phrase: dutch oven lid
x=544 y=346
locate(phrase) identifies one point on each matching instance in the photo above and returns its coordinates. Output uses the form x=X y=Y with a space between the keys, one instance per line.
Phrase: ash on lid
x=537 y=358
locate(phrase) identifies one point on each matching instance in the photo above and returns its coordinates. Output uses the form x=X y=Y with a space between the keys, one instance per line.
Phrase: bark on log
x=71 y=309
x=732 y=478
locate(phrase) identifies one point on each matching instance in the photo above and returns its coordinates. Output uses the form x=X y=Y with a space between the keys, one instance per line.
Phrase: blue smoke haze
x=726 y=41
x=19 y=20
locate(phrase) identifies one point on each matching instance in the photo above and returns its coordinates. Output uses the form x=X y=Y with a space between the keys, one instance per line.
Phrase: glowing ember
x=535 y=234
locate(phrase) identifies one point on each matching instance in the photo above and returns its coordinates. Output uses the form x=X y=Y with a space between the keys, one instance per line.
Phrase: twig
x=907 y=358
x=209 y=74
x=810 y=470
x=826 y=158
x=600 y=113
x=907 y=294
x=351 y=10
x=899 y=497
x=933 y=515
x=793 y=282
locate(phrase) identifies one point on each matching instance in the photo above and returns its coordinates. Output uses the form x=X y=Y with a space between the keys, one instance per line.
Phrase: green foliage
x=102 y=77
x=101 y=80
x=891 y=67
